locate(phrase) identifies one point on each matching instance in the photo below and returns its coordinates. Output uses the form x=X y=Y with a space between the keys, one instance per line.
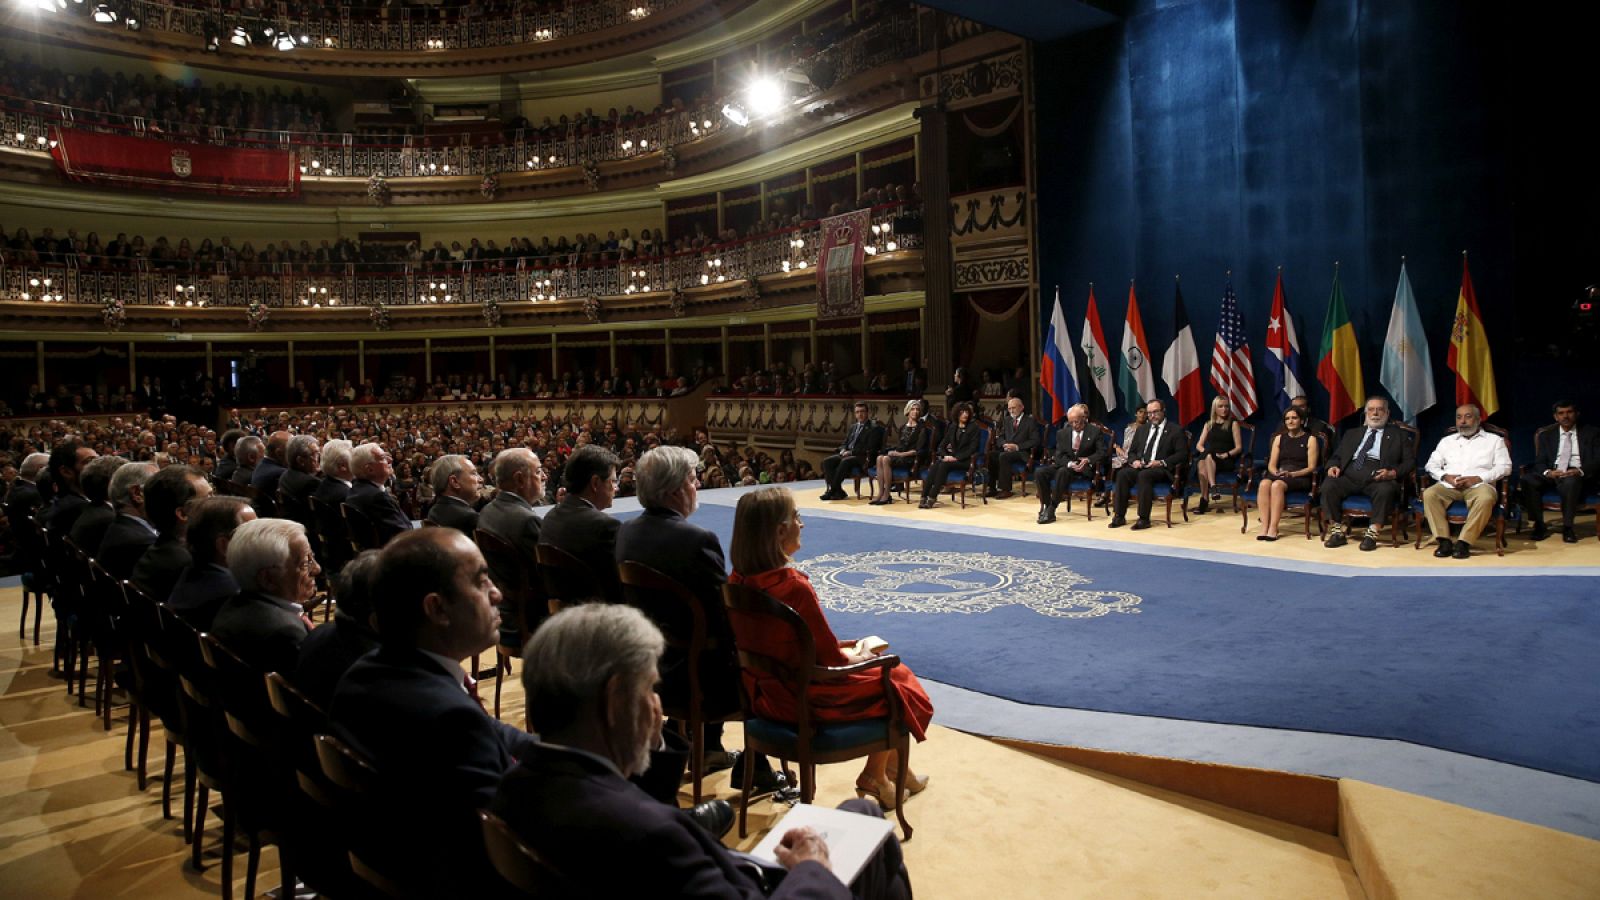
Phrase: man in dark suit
x=861 y=445
x=330 y=496
x=299 y=482
x=67 y=460
x=24 y=497
x=331 y=649
x=247 y=453
x=269 y=472
x=1081 y=448
x=130 y=534
x=915 y=379
x=1375 y=460
x=1017 y=434
x=90 y=527
x=265 y=622
x=202 y=588
x=579 y=524
x=227 y=463
x=1159 y=448
x=373 y=468
x=510 y=517
x=1313 y=425
x=166 y=498
x=1566 y=460
x=567 y=798
x=455 y=482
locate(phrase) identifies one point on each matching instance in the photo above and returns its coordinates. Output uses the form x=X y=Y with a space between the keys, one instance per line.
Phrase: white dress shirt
x=1483 y=455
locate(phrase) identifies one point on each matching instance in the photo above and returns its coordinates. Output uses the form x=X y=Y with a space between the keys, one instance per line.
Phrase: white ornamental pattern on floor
x=926 y=581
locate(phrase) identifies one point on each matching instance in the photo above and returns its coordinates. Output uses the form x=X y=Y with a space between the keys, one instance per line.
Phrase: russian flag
x=1058 y=370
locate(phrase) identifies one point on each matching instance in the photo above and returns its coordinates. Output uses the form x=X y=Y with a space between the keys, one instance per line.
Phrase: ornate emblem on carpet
x=926 y=581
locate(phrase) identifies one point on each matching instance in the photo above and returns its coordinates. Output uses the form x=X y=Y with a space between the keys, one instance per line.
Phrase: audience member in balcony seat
x=207 y=582
x=455 y=481
x=330 y=650
x=265 y=622
x=579 y=524
x=130 y=534
x=90 y=527
x=247 y=454
x=373 y=467
x=166 y=498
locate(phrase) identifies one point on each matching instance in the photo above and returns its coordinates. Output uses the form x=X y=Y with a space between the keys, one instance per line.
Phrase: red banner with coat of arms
x=841 y=265
x=122 y=161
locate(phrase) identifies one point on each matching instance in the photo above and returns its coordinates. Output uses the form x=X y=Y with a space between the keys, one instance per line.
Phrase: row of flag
x=1407 y=371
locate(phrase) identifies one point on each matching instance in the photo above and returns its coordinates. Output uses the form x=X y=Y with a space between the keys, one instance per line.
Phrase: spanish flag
x=1469 y=351
x=1339 y=362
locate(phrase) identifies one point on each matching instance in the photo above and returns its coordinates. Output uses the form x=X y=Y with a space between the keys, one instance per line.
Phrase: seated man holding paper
x=589 y=673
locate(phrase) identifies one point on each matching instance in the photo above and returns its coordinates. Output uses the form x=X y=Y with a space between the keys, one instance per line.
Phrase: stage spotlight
x=104 y=14
x=735 y=114
x=284 y=42
x=240 y=37
x=49 y=5
x=765 y=96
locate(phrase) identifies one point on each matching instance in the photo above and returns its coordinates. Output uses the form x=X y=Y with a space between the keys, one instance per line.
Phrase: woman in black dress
x=1218 y=447
x=1294 y=456
x=956 y=451
x=907 y=449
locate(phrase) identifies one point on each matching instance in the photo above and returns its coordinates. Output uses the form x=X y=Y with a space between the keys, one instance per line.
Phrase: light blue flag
x=1407 y=369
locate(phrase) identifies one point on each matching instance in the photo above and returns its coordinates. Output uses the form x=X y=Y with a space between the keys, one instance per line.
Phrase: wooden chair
x=1549 y=501
x=1169 y=491
x=333 y=535
x=681 y=616
x=518 y=863
x=567 y=580
x=1090 y=487
x=321 y=850
x=1359 y=506
x=161 y=693
x=1233 y=482
x=36 y=580
x=180 y=649
x=957 y=480
x=764 y=627
x=1456 y=513
x=355 y=781
x=516 y=574
x=1306 y=502
x=209 y=736
x=363 y=534
x=103 y=604
x=1024 y=470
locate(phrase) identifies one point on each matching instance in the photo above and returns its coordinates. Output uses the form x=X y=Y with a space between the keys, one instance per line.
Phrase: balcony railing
x=487 y=24
x=536 y=279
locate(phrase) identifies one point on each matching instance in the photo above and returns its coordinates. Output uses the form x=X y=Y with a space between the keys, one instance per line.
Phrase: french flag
x=1058 y=370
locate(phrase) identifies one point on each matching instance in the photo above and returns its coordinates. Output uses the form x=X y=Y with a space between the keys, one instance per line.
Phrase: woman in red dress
x=766 y=533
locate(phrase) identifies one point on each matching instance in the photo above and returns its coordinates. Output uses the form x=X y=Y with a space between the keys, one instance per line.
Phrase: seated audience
x=227 y=461
x=1081 y=448
x=269 y=472
x=579 y=524
x=1290 y=464
x=67 y=459
x=961 y=443
x=330 y=495
x=373 y=467
x=202 y=588
x=1466 y=466
x=90 y=527
x=589 y=676
x=510 y=516
x=248 y=453
x=1015 y=436
x=1566 y=460
x=859 y=448
x=130 y=534
x=455 y=482
x=913 y=444
x=265 y=622
x=1217 y=450
x=1374 y=460
x=331 y=649
x=766 y=535
x=1158 y=449
x=166 y=498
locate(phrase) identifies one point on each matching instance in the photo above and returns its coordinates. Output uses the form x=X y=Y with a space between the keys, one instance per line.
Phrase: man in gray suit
x=510 y=517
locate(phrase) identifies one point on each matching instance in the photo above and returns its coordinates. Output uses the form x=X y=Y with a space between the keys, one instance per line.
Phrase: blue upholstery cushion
x=1554 y=500
x=840 y=736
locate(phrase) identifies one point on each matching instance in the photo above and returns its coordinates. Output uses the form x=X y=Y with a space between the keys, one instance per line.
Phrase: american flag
x=1231 y=372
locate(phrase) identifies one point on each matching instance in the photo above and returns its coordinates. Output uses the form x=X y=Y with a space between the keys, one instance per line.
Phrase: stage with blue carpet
x=1501 y=667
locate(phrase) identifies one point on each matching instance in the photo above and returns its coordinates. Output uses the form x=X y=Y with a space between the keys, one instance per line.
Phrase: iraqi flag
x=1096 y=362
x=1181 y=367
x=1283 y=352
x=1058 y=370
x=1136 y=377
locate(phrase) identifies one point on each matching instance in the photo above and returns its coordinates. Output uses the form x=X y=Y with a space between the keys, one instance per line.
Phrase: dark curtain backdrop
x=1199 y=136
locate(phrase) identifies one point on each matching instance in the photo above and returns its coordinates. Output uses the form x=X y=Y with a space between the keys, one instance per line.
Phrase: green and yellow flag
x=1339 y=362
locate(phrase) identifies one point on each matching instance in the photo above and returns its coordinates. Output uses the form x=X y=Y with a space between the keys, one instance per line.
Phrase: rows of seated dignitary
x=388 y=671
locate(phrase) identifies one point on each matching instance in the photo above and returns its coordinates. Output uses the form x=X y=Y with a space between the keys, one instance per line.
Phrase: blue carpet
x=1505 y=668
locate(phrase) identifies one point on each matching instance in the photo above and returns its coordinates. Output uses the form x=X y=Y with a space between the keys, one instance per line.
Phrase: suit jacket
x=439 y=756
x=126 y=539
x=225 y=467
x=1172 y=449
x=265 y=481
x=1092 y=446
x=199 y=592
x=298 y=487
x=90 y=528
x=242 y=474
x=379 y=506
x=510 y=517
x=1024 y=434
x=1394 y=450
x=962 y=443
x=264 y=631
x=577 y=812
x=672 y=545
x=328 y=652
x=158 y=569
x=589 y=534
x=1547 y=446
x=63 y=512
x=23 y=498
x=453 y=512
x=863 y=441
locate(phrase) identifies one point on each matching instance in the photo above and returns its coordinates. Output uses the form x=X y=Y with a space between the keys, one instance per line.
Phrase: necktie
x=1564 y=456
x=1150 y=446
x=1361 y=452
x=1076 y=436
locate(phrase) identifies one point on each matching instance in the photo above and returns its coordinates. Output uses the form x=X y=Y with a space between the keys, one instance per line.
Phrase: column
x=725 y=359
x=555 y=359
x=866 y=343
x=492 y=373
x=766 y=346
x=210 y=365
x=427 y=361
x=936 y=256
x=291 y=363
x=133 y=371
x=813 y=336
x=611 y=341
x=38 y=362
x=361 y=362
x=666 y=333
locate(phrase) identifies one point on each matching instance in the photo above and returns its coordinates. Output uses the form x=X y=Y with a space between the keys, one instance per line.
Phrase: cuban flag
x=1231 y=372
x=1283 y=352
x=1058 y=370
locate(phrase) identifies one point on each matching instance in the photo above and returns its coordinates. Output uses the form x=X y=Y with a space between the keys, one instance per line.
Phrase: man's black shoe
x=1368 y=542
x=1446 y=548
x=1337 y=539
x=1568 y=535
x=1540 y=531
x=1046 y=515
x=718 y=760
x=1118 y=522
x=715 y=816
x=1140 y=525
x=1463 y=550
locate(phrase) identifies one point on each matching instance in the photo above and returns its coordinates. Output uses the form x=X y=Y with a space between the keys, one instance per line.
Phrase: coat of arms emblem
x=181 y=164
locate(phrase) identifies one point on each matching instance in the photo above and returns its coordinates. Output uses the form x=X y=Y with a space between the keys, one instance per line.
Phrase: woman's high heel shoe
x=883 y=792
